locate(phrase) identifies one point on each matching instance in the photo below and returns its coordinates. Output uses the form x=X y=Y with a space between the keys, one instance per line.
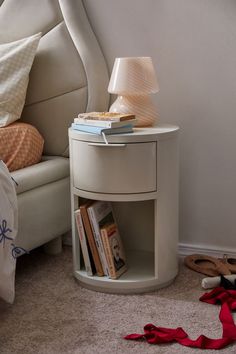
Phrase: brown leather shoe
x=206 y=265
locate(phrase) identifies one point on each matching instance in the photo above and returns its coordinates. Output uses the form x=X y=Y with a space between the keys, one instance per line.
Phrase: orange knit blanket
x=21 y=145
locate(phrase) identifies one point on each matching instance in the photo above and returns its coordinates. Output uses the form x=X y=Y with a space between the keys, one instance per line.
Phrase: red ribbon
x=227 y=299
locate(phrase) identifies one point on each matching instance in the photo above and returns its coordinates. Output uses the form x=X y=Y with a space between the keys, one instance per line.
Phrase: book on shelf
x=108 y=116
x=90 y=237
x=128 y=128
x=83 y=243
x=114 y=250
x=105 y=123
x=100 y=213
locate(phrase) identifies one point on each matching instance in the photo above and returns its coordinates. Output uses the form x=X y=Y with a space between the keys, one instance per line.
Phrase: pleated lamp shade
x=134 y=79
x=134 y=75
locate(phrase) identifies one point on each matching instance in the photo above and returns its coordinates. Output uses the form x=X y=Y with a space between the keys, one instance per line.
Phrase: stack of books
x=100 y=240
x=104 y=123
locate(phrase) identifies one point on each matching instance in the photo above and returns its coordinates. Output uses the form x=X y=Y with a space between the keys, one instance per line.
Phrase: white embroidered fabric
x=8 y=231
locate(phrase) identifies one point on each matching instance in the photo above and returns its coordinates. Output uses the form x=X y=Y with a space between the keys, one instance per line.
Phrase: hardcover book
x=91 y=240
x=100 y=213
x=114 y=250
x=112 y=116
x=83 y=242
x=105 y=123
x=99 y=130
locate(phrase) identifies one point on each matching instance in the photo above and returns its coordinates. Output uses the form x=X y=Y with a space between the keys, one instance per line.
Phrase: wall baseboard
x=186 y=249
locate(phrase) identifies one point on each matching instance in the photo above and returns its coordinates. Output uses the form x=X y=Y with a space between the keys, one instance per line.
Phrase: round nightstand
x=138 y=173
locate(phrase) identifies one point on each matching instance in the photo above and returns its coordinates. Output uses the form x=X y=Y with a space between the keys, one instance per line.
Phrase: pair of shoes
x=208 y=265
x=229 y=262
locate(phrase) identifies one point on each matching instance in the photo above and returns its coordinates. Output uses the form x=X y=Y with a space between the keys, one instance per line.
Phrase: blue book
x=101 y=130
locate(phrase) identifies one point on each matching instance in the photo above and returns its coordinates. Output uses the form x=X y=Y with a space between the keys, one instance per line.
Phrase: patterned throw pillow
x=16 y=59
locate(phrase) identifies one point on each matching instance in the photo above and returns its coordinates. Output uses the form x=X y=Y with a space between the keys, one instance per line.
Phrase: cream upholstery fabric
x=49 y=170
x=16 y=59
x=68 y=76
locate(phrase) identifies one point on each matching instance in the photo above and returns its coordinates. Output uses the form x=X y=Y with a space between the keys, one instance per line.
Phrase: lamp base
x=140 y=105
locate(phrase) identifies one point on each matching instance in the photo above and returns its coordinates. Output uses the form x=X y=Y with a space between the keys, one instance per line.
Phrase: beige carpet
x=53 y=314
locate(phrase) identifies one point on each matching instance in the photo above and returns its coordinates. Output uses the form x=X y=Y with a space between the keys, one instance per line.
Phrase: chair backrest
x=69 y=74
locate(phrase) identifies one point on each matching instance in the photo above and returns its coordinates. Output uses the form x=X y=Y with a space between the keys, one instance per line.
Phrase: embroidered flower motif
x=3 y=231
x=17 y=251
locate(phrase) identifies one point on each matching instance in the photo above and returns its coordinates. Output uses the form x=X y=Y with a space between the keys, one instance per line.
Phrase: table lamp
x=133 y=79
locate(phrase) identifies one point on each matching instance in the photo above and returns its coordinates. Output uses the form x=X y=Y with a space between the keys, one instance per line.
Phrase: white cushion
x=16 y=59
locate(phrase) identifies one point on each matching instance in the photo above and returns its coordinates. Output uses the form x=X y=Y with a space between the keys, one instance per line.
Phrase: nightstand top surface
x=159 y=132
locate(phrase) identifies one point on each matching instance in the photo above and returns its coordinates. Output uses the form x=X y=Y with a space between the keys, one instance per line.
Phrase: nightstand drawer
x=124 y=168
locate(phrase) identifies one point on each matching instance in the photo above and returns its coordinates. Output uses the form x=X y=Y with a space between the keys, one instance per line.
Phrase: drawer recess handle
x=106 y=145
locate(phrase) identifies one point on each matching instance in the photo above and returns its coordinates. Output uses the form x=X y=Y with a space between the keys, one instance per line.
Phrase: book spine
x=109 y=256
x=87 y=128
x=97 y=237
x=91 y=241
x=83 y=242
x=97 y=123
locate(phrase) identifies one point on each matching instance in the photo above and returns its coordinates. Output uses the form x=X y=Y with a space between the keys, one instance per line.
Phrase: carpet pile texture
x=52 y=313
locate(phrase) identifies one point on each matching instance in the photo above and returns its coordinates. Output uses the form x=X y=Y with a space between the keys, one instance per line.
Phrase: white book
x=83 y=242
x=99 y=213
x=104 y=123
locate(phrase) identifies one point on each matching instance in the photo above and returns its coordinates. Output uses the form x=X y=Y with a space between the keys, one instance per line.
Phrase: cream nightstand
x=138 y=173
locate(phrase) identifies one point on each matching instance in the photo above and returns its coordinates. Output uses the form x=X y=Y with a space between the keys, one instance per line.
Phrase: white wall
x=193 y=46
